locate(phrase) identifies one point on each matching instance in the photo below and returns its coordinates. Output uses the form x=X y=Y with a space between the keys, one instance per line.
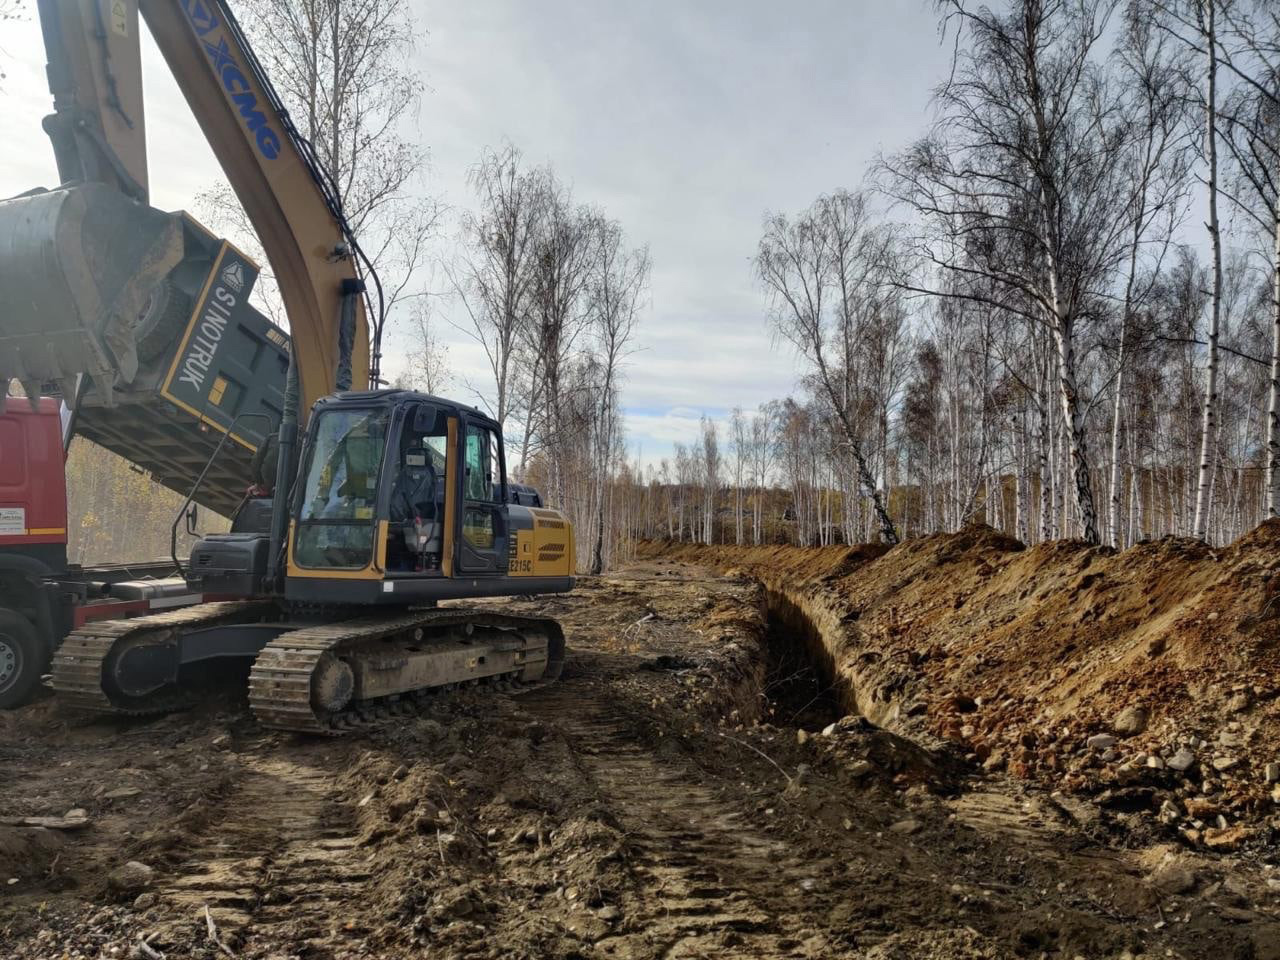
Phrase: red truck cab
x=33 y=542
x=33 y=489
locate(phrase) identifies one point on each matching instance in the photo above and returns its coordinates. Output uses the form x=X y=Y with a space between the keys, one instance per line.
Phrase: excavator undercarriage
x=327 y=672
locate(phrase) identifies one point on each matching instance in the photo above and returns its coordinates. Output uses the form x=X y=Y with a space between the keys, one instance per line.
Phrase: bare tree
x=496 y=271
x=343 y=69
x=1206 y=14
x=740 y=447
x=558 y=316
x=1021 y=168
x=1157 y=168
x=764 y=447
x=711 y=467
x=427 y=366
x=1249 y=118
x=823 y=272
x=618 y=280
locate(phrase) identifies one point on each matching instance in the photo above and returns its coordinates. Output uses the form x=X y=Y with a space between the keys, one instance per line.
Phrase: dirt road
x=673 y=796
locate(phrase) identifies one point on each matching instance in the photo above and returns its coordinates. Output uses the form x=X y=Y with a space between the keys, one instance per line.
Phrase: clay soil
x=721 y=772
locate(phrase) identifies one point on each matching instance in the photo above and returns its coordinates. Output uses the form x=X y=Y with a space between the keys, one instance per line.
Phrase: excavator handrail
x=195 y=488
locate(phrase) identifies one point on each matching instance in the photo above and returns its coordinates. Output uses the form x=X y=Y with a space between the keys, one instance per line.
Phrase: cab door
x=482 y=546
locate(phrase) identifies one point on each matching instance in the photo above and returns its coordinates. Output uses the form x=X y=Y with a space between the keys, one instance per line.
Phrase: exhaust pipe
x=76 y=267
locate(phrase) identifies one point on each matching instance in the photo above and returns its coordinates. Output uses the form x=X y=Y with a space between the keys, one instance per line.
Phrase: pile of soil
x=1147 y=679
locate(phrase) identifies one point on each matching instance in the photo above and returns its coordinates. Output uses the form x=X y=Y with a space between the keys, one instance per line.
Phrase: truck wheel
x=21 y=659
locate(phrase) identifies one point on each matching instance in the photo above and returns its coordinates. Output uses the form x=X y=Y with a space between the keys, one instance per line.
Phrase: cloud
x=686 y=122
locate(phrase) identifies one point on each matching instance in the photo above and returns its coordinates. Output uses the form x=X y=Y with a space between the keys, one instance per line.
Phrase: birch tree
x=821 y=271
x=494 y=274
x=1023 y=157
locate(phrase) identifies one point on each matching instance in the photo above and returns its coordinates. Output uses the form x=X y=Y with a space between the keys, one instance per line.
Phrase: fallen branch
x=743 y=743
x=48 y=823
x=213 y=933
x=147 y=950
x=645 y=619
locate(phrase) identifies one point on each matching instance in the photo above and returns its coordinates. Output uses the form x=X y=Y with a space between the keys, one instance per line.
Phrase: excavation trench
x=835 y=669
x=802 y=687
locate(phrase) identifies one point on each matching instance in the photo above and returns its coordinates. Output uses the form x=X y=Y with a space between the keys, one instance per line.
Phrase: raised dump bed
x=209 y=363
x=145 y=316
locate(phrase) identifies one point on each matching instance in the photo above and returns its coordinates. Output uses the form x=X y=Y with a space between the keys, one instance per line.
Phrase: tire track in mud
x=707 y=883
x=280 y=864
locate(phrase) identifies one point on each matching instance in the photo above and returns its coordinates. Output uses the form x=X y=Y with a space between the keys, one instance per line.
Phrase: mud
x=705 y=781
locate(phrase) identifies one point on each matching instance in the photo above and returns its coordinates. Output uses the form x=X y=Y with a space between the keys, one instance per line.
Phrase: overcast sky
x=686 y=120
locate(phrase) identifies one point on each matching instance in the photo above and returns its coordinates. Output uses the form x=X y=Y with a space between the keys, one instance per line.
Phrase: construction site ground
x=927 y=753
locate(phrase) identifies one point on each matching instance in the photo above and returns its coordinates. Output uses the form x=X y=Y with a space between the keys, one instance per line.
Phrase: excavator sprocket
x=339 y=677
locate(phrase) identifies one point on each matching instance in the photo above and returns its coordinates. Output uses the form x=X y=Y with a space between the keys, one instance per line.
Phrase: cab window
x=480 y=466
x=336 y=523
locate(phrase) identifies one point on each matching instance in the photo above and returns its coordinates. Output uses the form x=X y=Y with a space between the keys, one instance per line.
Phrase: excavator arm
x=77 y=263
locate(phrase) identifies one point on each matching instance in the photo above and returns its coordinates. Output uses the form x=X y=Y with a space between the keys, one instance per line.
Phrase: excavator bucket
x=77 y=265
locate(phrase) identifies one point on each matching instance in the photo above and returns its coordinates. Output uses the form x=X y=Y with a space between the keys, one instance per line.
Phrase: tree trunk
x=1273 y=407
x=1208 y=427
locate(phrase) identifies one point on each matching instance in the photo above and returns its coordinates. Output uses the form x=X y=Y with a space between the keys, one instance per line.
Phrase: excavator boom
x=84 y=324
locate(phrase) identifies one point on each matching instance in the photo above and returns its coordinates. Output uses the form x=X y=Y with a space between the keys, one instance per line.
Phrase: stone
x=145 y=901
x=860 y=768
x=1238 y=702
x=1100 y=741
x=1154 y=763
x=994 y=762
x=1275 y=794
x=1236 y=887
x=1130 y=721
x=802 y=736
x=130 y=877
x=1271 y=774
x=1216 y=838
x=121 y=793
x=1223 y=764
x=1202 y=808
x=907 y=827
x=1182 y=761
x=609 y=914
x=1169 y=813
x=830 y=729
x=1173 y=878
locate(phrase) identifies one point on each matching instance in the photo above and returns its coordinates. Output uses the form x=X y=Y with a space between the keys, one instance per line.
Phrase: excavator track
x=284 y=680
x=82 y=674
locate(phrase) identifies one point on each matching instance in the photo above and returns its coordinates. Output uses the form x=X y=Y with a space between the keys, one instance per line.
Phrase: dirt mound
x=1148 y=679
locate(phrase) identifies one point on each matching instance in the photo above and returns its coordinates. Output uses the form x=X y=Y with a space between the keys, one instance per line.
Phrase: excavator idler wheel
x=332 y=684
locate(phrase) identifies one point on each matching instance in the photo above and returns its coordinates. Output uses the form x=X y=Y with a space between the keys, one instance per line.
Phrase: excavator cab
x=402 y=499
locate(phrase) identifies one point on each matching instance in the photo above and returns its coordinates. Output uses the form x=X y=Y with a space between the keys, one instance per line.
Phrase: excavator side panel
x=272 y=181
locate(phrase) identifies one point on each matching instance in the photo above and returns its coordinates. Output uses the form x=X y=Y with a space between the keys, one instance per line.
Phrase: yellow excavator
x=381 y=502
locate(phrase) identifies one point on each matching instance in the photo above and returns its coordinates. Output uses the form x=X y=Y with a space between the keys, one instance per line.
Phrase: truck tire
x=22 y=659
